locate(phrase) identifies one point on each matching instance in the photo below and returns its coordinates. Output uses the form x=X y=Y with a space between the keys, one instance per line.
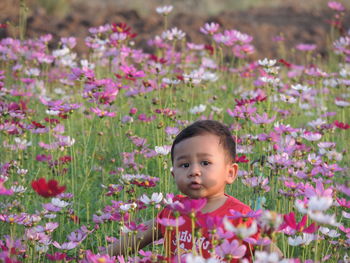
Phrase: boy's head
x=208 y=127
x=203 y=156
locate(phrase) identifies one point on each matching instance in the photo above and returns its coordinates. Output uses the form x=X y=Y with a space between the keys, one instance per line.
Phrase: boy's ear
x=232 y=173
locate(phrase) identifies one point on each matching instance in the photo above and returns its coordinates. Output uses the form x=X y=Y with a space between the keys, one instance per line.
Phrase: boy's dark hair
x=211 y=127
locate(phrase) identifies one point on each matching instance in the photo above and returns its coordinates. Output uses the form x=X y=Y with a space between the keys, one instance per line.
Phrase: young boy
x=203 y=157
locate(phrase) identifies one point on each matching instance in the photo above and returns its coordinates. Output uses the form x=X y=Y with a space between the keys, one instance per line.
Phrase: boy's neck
x=214 y=203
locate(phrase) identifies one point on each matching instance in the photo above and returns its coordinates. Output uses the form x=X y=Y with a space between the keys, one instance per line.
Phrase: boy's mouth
x=195 y=185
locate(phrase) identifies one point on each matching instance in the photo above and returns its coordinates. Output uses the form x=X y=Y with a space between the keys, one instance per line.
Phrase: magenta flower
x=250 y=214
x=336 y=6
x=230 y=250
x=306 y=47
x=57 y=256
x=262 y=119
x=3 y=190
x=130 y=73
x=102 y=113
x=190 y=206
x=289 y=221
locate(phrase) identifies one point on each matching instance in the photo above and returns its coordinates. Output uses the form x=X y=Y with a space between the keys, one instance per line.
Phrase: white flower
x=128 y=207
x=22 y=144
x=334 y=155
x=60 y=52
x=342 y=103
x=323 y=218
x=58 y=202
x=319 y=203
x=171 y=81
x=300 y=87
x=190 y=258
x=317 y=123
x=195 y=77
x=209 y=76
x=155 y=199
x=267 y=62
x=287 y=98
x=198 y=109
x=173 y=33
x=273 y=81
x=163 y=150
x=331 y=233
x=241 y=231
x=18 y=189
x=265 y=257
x=300 y=206
x=33 y=72
x=346 y=215
x=164 y=10
x=52 y=112
x=216 y=109
x=301 y=240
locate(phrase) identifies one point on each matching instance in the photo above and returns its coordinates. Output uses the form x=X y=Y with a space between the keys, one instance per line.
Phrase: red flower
x=123 y=28
x=57 y=256
x=286 y=63
x=341 y=125
x=241 y=159
x=47 y=189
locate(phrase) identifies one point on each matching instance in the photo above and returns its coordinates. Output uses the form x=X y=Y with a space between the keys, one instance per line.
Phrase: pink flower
x=97 y=258
x=168 y=222
x=311 y=136
x=210 y=28
x=102 y=113
x=262 y=119
x=306 y=47
x=319 y=190
x=65 y=246
x=231 y=249
x=336 y=6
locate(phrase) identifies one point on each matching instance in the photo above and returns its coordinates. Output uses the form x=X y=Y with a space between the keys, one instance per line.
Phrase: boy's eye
x=185 y=165
x=205 y=163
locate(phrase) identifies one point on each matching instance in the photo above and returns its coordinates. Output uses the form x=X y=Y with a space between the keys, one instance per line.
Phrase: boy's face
x=201 y=167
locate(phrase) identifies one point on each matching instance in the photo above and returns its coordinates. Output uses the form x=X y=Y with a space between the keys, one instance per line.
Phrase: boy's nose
x=194 y=171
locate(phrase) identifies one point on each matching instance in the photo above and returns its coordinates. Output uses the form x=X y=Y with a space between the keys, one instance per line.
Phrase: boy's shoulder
x=233 y=203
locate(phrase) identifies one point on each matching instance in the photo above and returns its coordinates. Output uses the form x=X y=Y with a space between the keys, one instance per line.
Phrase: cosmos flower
x=337 y=6
x=155 y=199
x=290 y=222
x=47 y=189
x=3 y=190
x=168 y=222
x=231 y=249
x=164 y=10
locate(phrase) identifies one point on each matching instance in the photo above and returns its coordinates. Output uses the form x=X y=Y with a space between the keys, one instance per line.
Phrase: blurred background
x=298 y=21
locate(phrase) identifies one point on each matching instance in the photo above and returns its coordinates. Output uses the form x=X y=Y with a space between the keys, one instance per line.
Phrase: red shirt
x=184 y=244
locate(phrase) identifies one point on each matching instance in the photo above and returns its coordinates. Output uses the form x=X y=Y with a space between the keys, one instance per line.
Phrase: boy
x=203 y=157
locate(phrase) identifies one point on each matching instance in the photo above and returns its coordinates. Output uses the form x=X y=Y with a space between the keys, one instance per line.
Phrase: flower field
x=85 y=141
